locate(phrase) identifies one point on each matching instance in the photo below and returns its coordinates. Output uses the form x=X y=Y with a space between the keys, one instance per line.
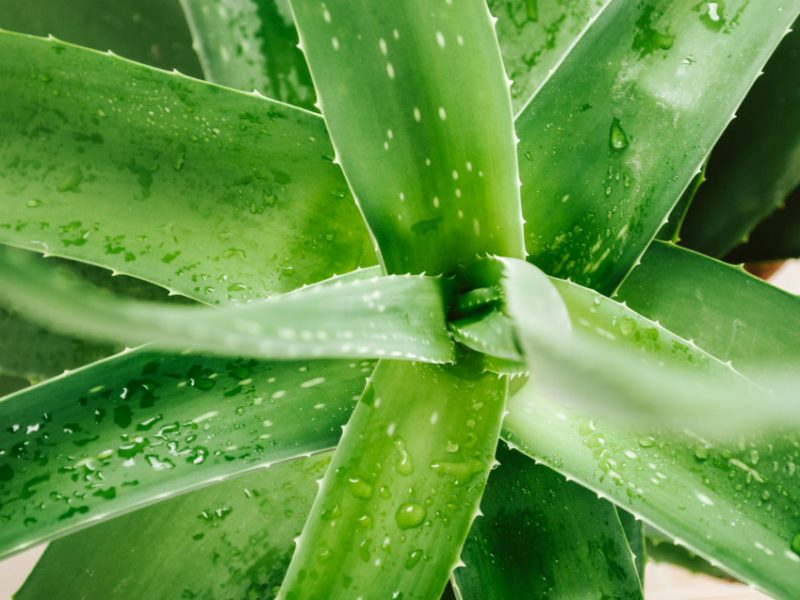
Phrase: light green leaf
x=776 y=238
x=488 y=333
x=535 y=35
x=726 y=311
x=733 y=504
x=543 y=537
x=359 y=316
x=204 y=544
x=251 y=45
x=153 y=32
x=216 y=194
x=756 y=164
x=437 y=185
x=140 y=427
x=405 y=482
x=607 y=151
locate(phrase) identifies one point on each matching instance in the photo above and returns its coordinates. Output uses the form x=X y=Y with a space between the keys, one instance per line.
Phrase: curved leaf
x=251 y=45
x=216 y=194
x=140 y=427
x=396 y=505
x=607 y=151
x=756 y=163
x=230 y=558
x=437 y=186
x=358 y=316
x=153 y=32
x=733 y=504
x=543 y=537
x=776 y=238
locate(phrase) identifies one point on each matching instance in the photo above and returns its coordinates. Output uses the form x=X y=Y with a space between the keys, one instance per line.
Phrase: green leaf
x=218 y=195
x=662 y=549
x=670 y=231
x=153 y=32
x=404 y=486
x=543 y=537
x=34 y=353
x=251 y=45
x=140 y=427
x=607 y=151
x=437 y=184
x=776 y=238
x=535 y=35
x=634 y=534
x=489 y=334
x=204 y=544
x=726 y=311
x=362 y=316
x=756 y=164
x=733 y=504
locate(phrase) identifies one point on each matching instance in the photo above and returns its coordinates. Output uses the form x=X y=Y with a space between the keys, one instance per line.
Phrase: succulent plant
x=288 y=332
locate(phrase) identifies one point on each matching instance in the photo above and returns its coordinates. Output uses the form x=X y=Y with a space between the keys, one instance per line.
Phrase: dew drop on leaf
x=410 y=515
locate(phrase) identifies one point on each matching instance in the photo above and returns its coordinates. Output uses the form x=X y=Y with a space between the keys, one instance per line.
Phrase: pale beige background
x=662 y=581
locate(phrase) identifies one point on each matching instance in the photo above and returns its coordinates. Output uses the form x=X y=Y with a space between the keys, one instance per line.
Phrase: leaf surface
x=202 y=544
x=141 y=427
x=251 y=45
x=153 y=32
x=218 y=195
x=418 y=109
x=607 y=151
x=756 y=163
x=776 y=238
x=362 y=315
x=544 y=537
x=404 y=485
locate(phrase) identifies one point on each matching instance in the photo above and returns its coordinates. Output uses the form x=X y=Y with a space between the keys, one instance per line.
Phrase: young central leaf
x=417 y=104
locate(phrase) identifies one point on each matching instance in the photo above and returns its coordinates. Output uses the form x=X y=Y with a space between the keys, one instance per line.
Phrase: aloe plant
x=389 y=315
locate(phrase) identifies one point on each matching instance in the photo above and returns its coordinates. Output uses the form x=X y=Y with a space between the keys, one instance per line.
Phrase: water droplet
x=413 y=558
x=617 y=139
x=403 y=465
x=410 y=515
x=360 y=488
x=795 y=545
x=647 y=441
x=701 y=453
x=627 y=326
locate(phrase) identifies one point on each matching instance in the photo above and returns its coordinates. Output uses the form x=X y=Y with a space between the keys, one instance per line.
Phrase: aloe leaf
x=776 y=238
x=218 y=195
x=251 y=45
x=607 y=151
x=634 y=534
x=140 y=427
x=671 y=230
x=535 y=35
x=726 y=311
x=661 y=548
x=488 y=333
x=153 y=32
x=199 y=545
x=355 y=316
x=544 y=537
x=733 y=504
x=436 y=184
x=395 y=506
x=30 y=352
x=756 y=164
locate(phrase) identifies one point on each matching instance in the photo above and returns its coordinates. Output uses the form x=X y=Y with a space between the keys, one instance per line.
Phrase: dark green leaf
x=776 y=238
x=543 y=537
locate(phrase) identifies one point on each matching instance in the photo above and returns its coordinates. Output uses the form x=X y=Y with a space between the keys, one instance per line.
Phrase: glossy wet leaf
x=202 y=544
x=735 y=504
x=251 y=45
x=396 y=504
x=607 y=150
x=219 y=195
x=535 y=35
x=544 y=537
x=359 y=316
x=141 y=427
x=436 y=184
x=776 y=238
x=756 y=164
x=153 y=32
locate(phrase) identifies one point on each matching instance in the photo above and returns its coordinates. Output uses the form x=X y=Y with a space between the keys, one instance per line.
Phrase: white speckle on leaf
x=390 y=70
x=442 y=113
x=440 y=39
